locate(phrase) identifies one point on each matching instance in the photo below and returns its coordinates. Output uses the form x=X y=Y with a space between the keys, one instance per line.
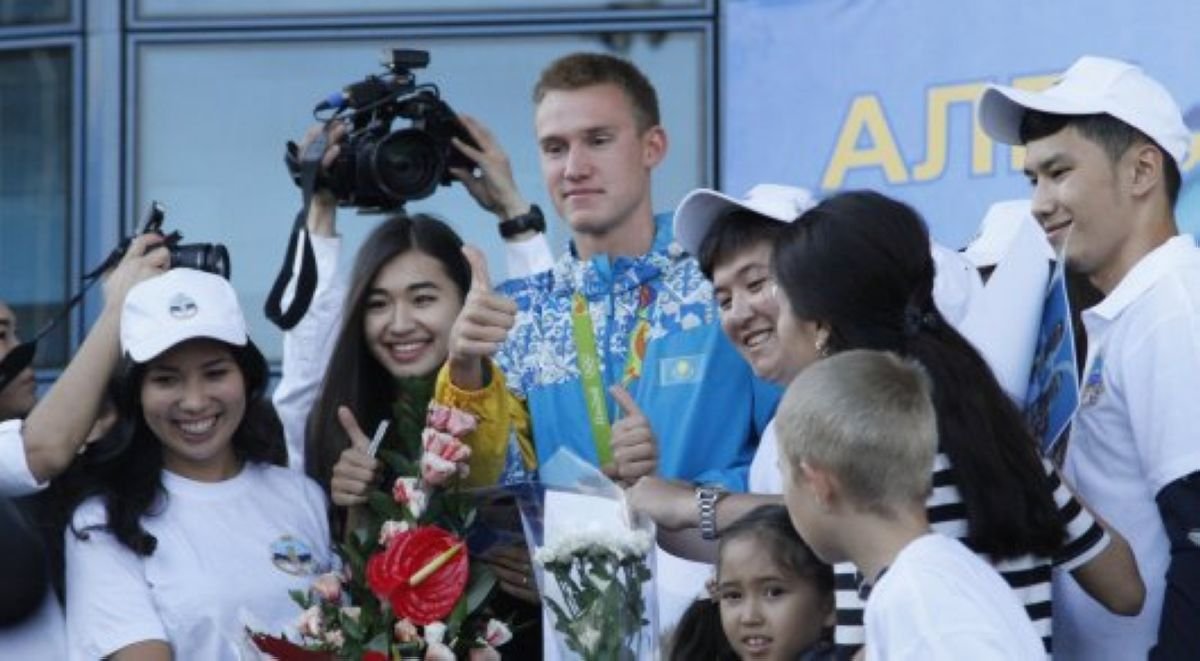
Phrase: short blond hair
x=579 y=70
x=866 y=417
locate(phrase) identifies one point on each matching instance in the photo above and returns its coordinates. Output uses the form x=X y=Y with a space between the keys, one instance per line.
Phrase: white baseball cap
x=703 y=206
x=1091 y=86
x=179 y=305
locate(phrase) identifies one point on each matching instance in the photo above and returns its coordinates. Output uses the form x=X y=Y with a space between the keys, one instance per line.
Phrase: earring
x=822 y=347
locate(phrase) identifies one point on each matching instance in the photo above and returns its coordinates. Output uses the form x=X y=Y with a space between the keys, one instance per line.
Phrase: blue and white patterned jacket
x=704 y=403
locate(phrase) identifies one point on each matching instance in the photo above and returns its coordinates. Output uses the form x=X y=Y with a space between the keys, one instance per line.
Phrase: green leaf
x=301 y=598
x=382 y=504
x=479 y=586
x=456 y=617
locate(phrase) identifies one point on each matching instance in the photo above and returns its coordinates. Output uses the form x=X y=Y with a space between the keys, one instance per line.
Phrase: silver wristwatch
x=707 y=497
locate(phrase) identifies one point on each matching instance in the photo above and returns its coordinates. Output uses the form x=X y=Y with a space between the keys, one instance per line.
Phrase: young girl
x=193 y=529
x=771 y=599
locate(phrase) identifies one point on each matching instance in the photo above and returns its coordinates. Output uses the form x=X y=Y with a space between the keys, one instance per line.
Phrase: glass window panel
x=189 y=9
x=212 y=119
x=35 y=188
x=34 y=12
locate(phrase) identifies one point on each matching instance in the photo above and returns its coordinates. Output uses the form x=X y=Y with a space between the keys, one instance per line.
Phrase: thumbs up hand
x=635 y=450
x=481 y=326
x=356 y=471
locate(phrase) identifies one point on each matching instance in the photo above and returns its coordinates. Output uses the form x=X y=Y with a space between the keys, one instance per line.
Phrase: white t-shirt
x=938 y=600
x=1134 y=434
x=15 y=477
x=227 y=554
x=764 y=468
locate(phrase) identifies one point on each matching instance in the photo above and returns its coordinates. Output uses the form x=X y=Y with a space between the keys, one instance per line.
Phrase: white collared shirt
x=15 y=477
x=1135 y=433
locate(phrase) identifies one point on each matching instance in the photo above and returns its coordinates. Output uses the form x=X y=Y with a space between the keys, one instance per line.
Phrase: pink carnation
x=496 y=633
x=328 y=587
x=438 y=652
x=461 y=423
x=438 y=416
x=436 y=470
x=444 y=445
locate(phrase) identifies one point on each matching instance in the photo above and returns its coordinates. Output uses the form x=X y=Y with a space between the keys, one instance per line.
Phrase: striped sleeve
x=1085 y=537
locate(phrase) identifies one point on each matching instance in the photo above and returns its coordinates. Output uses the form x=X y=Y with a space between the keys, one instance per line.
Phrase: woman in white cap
x=194 y=529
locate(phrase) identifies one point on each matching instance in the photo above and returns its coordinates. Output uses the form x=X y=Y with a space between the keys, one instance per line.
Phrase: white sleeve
x=528 y=257
x=109 y=604
x=1160 y=375
x=307 y=348
x=15 y=477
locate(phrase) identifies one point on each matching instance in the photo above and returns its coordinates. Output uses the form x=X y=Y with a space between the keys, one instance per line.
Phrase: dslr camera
x=378 y=169
x=210 y=257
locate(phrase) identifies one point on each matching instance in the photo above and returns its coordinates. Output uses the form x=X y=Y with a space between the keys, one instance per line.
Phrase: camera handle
x=306 y=279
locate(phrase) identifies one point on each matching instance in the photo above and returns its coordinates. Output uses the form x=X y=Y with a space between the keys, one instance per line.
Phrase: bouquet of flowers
x=408 y=588
x=596 y=564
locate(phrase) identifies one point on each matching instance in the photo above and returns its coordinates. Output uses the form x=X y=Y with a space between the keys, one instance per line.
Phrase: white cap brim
x=1002 y=108
x=696 y=214
x=151 y=347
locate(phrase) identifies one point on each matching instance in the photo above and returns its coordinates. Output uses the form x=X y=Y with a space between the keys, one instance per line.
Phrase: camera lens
x=407 y=164
x=210 y=257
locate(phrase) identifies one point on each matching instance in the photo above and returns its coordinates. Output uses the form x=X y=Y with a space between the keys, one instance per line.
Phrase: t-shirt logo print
x=181 y=306
x=292 y=556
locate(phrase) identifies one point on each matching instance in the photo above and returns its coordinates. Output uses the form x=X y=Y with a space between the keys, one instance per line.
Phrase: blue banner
x=837 y=94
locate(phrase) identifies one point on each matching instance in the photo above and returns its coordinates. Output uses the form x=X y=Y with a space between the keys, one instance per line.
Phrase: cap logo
x=181 y=306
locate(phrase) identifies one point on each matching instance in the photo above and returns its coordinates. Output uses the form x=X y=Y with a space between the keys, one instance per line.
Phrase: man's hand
x=321 y=211
x=494 y=187
x=514 y=572
x=635 y=451
x=356 y=471
x=671 y=504
x=481 y=326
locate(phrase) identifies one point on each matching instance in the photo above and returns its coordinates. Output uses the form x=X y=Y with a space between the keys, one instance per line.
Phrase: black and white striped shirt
x=1029 y=575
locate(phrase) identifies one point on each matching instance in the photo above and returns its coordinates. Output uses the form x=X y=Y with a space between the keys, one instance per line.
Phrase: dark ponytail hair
x=860 y=263
x=124 y=468
x=354 y=378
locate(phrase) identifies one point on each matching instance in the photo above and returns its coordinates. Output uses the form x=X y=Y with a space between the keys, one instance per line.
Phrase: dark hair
x=125 y=467
x=354 y=378
x=731 y=234
x=579 y=70
x=1112 y=134
x=771 y=526
x=700 y=635
x=869 y=256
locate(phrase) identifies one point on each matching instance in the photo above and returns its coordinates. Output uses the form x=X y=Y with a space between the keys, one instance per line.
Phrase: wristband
x=530 y=220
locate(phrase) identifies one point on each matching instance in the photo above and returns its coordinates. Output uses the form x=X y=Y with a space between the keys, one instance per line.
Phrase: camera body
x=377 y=168
x=210 y=257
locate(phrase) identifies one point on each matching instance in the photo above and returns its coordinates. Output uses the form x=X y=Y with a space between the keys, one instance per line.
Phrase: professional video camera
x=378 y=168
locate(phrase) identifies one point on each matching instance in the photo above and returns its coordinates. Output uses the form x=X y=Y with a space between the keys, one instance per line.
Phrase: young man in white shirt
x=857 y=434
x=1103 y=150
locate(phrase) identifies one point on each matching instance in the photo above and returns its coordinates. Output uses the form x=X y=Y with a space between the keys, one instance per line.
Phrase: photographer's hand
x=481 y=326
x=322 y=219
x=494 y=188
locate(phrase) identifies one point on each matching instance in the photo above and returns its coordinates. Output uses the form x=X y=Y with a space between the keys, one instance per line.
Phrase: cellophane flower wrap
x=408 y=588
x=596 y=564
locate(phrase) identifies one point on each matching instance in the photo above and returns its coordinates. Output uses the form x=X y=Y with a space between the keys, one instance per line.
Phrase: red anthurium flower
x=408 y=559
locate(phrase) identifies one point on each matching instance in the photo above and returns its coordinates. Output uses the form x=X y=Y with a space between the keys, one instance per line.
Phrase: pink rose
x=309 y=625
x=405 y=631
x=496 y=633
x=328 y=587
x=484 y=654
x=438 y=416
x=461 y=423
x=389 y=530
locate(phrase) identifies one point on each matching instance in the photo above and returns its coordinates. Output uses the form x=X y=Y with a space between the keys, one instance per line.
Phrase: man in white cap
x=1103 y=148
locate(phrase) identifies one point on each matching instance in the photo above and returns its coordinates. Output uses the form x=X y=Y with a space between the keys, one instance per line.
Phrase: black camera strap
x=306 y=279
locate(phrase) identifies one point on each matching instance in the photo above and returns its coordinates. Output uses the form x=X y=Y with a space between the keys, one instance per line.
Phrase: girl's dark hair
x=354 y=378
x=732 y=233
x=860 y=263
x=771 y=525
x=700 y=635
x=125 y=467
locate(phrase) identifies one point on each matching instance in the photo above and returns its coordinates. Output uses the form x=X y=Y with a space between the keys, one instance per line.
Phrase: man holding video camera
x=616 y=351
